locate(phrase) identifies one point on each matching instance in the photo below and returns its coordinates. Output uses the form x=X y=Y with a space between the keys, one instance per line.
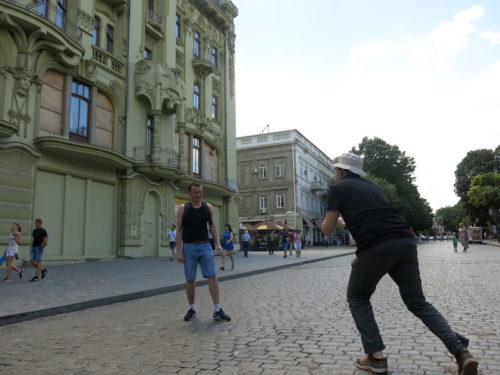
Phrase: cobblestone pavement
x=292 y=321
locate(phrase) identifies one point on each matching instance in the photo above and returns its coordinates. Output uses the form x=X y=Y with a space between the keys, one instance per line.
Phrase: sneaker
x=467 y=365
x=35 y=278
x=190 y=315
x=44 y=272
x=221 y=316
x=370 y=363
x=8 y=279
x=221 y=268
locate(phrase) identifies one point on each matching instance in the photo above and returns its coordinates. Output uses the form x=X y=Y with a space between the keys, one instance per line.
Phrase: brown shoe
x=467 y=365
x=370 y=363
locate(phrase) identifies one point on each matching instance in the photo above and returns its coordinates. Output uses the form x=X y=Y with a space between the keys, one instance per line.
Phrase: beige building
x=283 y=177
x=108 y=110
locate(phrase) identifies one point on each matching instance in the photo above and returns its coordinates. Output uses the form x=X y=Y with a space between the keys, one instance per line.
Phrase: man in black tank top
x=193 y=248
x=385 y=246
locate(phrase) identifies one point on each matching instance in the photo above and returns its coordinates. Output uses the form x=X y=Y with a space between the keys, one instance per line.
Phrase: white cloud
x=491 y=36
x=404 y=93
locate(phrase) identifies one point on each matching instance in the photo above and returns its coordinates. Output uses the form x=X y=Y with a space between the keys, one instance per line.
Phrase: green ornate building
x=108 y=110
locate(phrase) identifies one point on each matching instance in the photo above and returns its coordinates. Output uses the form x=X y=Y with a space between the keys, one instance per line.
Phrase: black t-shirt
x=195 y=223
x=38 y=235
x=367 y=213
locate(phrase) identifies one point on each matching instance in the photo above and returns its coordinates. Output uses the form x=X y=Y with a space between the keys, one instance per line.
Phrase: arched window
x=96 y=38
x=197 y=44
x=52 y=102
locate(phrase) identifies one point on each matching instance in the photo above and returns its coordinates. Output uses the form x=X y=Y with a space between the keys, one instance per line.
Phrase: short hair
x=39 y=221
x=193 y=184
x=173 y=225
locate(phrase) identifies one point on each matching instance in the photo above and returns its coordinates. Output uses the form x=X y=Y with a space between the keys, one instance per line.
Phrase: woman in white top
x=11 y=251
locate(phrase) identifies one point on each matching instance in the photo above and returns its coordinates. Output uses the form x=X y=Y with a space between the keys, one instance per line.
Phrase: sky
x=423 y=75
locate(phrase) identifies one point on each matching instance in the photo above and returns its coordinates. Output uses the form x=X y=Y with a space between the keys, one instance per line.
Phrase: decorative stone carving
x=142 y=67
x=89 y=69
x=85 y=21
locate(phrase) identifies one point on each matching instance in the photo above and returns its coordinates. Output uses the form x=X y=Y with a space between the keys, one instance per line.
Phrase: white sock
x=378 y=355
x=192 y=307
x=217 y=307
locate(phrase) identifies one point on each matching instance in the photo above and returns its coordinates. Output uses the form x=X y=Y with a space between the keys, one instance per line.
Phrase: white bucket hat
x=351 y=162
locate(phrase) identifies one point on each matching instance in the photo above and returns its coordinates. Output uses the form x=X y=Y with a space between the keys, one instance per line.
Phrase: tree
x=474 y=163
x=452 y=216
x=394 y=171
x=484 y=193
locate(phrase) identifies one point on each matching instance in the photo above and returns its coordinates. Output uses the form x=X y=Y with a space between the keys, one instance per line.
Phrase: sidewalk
x=73 y=287
x=492 y=243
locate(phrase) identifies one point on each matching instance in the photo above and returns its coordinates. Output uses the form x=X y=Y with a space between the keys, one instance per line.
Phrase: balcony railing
x=54 y=15
x=169 y=158
x=154 y=17
x=108 y=60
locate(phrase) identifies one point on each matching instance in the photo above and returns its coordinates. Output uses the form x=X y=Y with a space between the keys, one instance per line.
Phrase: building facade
x=108 y=110
x=283 y=177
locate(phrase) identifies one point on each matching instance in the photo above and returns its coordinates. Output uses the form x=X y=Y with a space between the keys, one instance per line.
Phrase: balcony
x=317 y=186
x=202 y=67
x=90 y=153
x=8 y=129
x=108 y=61
x=167 y=166
x=52 y=15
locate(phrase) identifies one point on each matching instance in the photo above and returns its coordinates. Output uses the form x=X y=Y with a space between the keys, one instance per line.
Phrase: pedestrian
x=325 y=241
x=193 y=248
x=297 y=243
x=11 y=252
x=284 y=243
x=245 y=241
x=385 y=245
x=463 y=236
x=454 y=239
x=291 y=240
x=271 y=242
x=227 y=246
x=172 y=239
x=39 y=241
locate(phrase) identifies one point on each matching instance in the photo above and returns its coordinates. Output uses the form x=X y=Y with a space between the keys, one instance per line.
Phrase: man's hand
x=179 y=256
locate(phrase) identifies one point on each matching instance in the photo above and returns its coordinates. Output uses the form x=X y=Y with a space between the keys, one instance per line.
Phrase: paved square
x=293 y=321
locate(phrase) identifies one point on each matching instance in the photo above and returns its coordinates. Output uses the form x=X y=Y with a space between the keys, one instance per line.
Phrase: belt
x=198 y=242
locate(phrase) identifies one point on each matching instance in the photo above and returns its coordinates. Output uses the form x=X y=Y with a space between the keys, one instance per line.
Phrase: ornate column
x=182 y=135
x=156 y=157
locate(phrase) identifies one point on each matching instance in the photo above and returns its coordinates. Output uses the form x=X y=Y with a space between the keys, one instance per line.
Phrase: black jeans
x=399 y=259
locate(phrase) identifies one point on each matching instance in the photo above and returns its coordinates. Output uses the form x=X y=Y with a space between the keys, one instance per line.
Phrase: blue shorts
x=201 y=254
x=36 y=253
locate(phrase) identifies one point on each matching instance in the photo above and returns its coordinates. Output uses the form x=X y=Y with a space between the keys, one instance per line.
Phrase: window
x=61 y=14
x=262 y=170
x=177 y=26
x=280 y=168
x=197 y=44
x=263 y=202
x=151 y=6
x=280 y=201
x=109 y=38
x=195 y=156
x=213 y=56
x=42 y=8
x=196 y=97
x=215 y=108
x=80 y=109
x=150 y=126
x=148 y=55
x=97 y=32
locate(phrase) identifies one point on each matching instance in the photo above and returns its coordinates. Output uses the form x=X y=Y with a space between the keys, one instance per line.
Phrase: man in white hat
x=385 y=246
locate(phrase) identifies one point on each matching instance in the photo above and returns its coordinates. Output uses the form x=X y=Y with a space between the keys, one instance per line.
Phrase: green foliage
x=452 y=216
x=485 y=191
x=393 y=170
x=474 y=163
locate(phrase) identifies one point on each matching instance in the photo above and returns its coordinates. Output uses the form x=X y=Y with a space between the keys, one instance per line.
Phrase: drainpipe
x=226 y=179
x=294 y=179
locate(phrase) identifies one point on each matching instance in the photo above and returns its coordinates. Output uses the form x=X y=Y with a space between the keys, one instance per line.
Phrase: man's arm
x=330 y=222
x=213 y=228
x=44 y=241
x=178 y=234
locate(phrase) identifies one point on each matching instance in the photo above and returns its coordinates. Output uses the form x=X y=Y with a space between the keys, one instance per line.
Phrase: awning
x=280 y=220
x=309 y=222
x=317 y=222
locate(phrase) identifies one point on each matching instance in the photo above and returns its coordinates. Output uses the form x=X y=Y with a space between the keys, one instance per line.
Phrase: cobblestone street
x=293 y=321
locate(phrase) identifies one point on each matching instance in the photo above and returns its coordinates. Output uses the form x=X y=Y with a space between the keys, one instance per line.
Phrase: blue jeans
x=36 y=253
x=195 y=254
x=246 y=246
x=399 y=259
